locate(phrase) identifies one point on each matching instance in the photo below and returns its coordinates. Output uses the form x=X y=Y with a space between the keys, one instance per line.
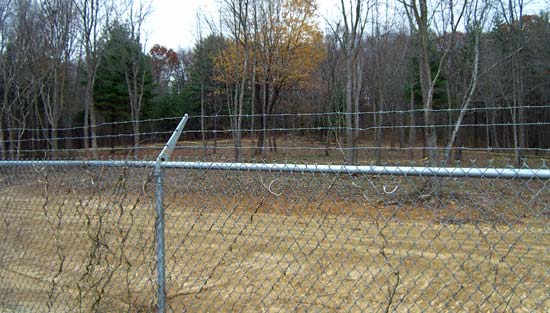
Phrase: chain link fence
x=263 y=237
x=200 y=235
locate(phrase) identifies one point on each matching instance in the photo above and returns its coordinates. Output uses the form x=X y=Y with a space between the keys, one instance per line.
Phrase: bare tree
x=94 y=17
x=59 y=24
x=422 y=13
x=6 y=9
x=22 y=73
x=135 y=74
x=202 y=83
x=512 y=12
x=354 y=16
x=476 y=12
x=386 y=72
x=237 y=21
x=330 y=73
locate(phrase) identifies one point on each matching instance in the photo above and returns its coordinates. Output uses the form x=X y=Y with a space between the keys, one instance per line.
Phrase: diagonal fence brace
x=171 y=143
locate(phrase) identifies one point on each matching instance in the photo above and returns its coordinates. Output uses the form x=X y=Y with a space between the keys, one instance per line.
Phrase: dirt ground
x=83 y=240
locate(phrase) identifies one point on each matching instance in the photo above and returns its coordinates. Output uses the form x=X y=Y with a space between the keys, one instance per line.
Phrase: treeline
x=436 y=74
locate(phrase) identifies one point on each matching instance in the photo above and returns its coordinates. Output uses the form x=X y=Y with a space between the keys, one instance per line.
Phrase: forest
x=434 y=74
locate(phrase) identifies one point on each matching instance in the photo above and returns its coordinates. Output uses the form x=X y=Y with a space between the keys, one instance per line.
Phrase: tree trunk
x=3 y=146
x=135 y=126
x=263 y=132
x=412 y=128
x=358 y=81
x=91 y=112
x=378 y=130
x=517 y=152
x=449 y=111
x=517 y=115
x=400 y=121
x=54 y=139
x=350 y=147
x=12 y=142
x=426 y=81
x=274 y=96
x=493 y=129
x=239 y=109
x=19 y=137
x=466 y=101
x=487 y=135
x=86 y=125
x=2 y=140
x=215 y=134
x=203 y=130
x=93 y=131
x=259 y=103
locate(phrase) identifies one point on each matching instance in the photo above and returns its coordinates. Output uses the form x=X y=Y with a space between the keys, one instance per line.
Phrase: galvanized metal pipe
x=159 y=235
x=473 y=172
x=171 y=143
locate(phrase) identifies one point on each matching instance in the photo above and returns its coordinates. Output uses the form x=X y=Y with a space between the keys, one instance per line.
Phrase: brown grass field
x=83 y=240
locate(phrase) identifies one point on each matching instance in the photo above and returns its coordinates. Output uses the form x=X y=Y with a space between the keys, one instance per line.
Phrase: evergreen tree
x=115 y=69
x=122 y=66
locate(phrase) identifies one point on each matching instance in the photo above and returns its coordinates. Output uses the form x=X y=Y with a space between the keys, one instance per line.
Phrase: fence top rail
x=523 y=173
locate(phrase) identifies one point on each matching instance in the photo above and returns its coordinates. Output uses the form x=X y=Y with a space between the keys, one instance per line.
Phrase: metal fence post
x=159 y=237
x=159 y=208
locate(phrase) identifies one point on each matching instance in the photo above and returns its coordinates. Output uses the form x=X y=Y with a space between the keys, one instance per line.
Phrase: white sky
x=173 y=23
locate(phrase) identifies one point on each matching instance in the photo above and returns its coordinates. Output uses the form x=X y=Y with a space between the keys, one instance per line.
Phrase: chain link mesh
x=82 y=239
x=324 y=242
x=76 y=239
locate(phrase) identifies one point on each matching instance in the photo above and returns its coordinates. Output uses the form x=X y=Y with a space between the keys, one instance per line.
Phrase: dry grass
x=84 y=241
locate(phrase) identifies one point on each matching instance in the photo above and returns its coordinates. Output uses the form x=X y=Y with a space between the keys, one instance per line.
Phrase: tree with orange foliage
x=289 y=49
x=164 y=63
x=285 y=45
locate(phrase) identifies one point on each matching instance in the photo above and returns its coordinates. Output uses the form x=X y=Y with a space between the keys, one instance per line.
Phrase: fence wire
x=486 y=134
x=80 y=237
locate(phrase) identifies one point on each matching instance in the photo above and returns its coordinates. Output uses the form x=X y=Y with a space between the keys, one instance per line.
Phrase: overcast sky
x=173 y=22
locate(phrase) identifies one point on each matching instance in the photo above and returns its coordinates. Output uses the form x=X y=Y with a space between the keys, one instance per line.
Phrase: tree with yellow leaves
x=277 y=50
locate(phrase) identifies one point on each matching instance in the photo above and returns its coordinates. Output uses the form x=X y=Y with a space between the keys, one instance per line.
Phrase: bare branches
x=355 y=19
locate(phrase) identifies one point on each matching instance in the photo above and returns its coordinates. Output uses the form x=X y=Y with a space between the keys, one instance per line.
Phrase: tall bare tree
x=475 y=17
x=22 y=72
x=94 y=18
x=354 y=20
x=6 y=15
x=135 y=74
x=422 y=14
x=59 y=30
x=237 y=20
x=512 y=12
x=386 y=69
